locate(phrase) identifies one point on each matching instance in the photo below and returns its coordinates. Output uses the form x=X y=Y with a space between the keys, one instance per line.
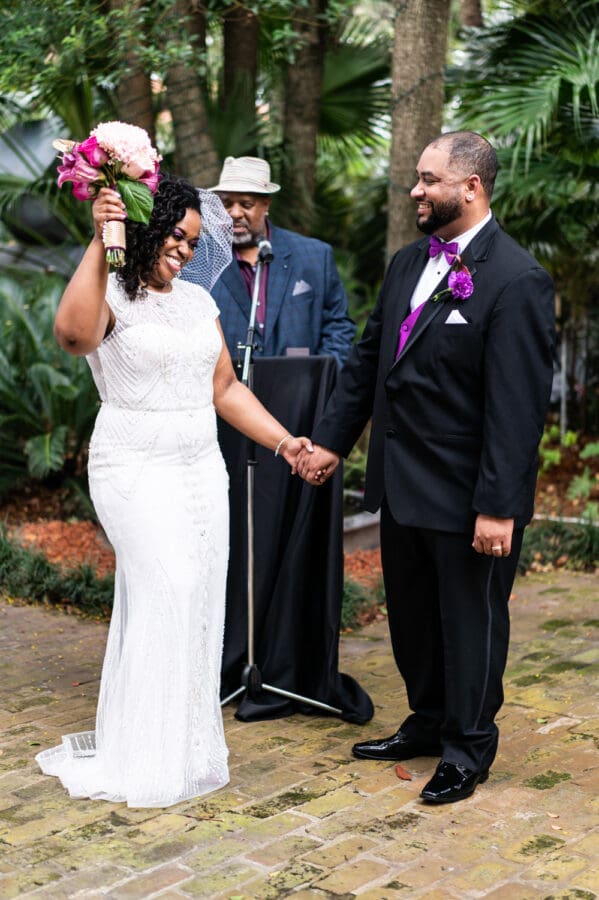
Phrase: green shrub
x=551 y=443
x=48 y=401
x=591 y=449
x=28 y=575
x=581 y=486
x=354 y=467
x=547 y=542
x=357 y=599
x=570 y=439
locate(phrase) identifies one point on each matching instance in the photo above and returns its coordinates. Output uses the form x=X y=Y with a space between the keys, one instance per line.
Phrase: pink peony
x=128 y=144
x=92 y=151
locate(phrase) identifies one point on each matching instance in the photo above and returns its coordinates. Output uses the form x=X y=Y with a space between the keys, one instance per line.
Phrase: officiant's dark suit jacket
x=457 y=419
x=306 y=305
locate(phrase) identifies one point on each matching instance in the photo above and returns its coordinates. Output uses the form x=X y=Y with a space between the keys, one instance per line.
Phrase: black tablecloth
x=298 y=558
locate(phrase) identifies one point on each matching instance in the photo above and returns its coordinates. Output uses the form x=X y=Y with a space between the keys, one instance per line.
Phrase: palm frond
x=519 y=80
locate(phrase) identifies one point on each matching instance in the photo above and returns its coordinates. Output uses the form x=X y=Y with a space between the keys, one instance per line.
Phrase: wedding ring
x=497 y=548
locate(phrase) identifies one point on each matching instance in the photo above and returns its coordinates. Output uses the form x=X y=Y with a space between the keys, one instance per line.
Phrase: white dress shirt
x=437 y=267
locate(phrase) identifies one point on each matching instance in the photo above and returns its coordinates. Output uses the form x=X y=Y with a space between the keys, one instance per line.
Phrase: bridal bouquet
x=119 y=156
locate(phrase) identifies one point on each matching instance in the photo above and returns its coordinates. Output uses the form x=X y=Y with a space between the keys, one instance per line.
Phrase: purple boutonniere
x=460 y=284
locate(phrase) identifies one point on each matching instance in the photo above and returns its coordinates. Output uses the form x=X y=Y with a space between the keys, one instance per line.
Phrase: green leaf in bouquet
x=138 y=199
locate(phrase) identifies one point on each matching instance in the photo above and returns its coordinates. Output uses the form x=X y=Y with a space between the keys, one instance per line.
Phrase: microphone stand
x=251 y=677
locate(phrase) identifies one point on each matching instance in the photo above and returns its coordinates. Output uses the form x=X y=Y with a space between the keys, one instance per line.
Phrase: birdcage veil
x=213 y=253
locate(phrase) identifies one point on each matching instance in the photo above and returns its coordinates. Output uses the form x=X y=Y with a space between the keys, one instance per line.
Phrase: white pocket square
x=300 y=287
x=455 y=317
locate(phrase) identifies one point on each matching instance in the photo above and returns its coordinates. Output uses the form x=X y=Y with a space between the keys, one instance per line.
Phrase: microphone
x=265 y=253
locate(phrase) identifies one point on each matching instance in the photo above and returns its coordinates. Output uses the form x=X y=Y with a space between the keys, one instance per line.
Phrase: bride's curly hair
x=171 y=201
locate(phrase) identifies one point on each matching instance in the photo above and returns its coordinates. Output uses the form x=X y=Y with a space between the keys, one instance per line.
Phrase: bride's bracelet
x=288 y=437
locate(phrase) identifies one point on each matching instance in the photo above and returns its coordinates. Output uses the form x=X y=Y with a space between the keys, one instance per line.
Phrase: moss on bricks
x=547 y=780
x=541 y=844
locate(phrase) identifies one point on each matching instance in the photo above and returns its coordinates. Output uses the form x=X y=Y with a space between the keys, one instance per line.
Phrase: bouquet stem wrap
x=114 y=238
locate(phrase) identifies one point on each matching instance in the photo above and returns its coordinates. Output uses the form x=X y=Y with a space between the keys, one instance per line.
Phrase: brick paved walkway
x=300 y=816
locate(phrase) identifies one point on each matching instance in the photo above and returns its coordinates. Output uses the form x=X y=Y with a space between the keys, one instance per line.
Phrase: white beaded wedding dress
x=159 y=486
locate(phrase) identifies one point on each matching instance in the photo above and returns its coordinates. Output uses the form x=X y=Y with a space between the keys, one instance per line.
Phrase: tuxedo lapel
x=430 y=311
x=401 y=290
x=479 y=246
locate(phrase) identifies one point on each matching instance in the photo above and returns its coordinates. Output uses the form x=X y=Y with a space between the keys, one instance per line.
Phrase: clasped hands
x=314 y=463
x=317 y=465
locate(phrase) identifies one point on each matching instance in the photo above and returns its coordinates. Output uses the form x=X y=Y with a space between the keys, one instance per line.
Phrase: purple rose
x=92 y=152
x=460 y=283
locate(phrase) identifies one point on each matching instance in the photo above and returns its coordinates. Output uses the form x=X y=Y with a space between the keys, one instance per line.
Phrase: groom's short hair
x=472 y=154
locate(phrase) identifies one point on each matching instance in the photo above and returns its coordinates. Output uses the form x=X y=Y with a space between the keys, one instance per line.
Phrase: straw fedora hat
x=246 y=175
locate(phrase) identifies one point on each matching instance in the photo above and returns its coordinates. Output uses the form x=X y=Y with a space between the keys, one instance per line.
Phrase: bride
x=159 y=487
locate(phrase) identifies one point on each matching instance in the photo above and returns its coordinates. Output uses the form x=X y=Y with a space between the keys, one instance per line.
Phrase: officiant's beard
x=248 y=239
x=442 y=213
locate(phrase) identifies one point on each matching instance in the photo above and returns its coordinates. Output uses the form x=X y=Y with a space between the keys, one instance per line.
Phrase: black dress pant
x=449 y=623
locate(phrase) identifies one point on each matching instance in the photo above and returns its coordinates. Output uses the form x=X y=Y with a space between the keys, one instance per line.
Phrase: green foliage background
x=528 y=80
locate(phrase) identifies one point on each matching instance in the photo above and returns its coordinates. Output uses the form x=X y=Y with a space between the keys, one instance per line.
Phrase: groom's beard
x=442 y=213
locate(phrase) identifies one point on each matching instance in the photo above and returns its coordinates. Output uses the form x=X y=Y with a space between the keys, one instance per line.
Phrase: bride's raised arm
x=83 y=316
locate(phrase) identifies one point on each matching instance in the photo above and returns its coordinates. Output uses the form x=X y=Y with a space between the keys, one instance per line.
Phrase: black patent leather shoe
x=396 y=747
x=451 y=783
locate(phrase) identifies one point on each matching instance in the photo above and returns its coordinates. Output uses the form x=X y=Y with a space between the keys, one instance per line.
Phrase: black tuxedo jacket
x=457 y=419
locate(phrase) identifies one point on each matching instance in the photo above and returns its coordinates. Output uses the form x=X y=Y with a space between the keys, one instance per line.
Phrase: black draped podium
x=298 y=558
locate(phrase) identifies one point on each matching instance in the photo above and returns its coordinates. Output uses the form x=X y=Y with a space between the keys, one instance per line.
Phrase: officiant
x=303 y=336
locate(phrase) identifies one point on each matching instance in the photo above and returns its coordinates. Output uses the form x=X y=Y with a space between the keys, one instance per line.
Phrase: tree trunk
x=240 y=65
x=471 y=14
x=417 y=94
x=303 y=84
x=195 y=155
x=134 y=91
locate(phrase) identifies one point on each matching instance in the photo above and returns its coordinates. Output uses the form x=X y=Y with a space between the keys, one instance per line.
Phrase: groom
x=455 y=368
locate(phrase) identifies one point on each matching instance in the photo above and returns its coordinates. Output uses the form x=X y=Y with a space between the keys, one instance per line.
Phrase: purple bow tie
x=450 y=250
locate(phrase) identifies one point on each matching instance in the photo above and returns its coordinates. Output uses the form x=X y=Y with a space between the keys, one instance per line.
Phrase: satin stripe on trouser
x=449 y=624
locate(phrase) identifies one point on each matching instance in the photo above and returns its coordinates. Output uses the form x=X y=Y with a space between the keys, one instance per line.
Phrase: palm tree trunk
x=471 y=14
x=417 y=93
x=195 y=154
x=134 y=91
x=240 y=65
x=303 y=83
